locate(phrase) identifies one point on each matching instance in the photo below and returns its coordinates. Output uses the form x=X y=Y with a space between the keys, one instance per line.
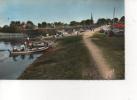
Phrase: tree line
x=17 y=26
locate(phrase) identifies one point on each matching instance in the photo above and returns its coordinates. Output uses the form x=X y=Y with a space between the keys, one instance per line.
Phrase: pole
x=92 y=19
x=113 y=16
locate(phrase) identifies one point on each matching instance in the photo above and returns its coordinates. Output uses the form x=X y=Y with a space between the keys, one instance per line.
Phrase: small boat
x=37 y=44
x=29 y=51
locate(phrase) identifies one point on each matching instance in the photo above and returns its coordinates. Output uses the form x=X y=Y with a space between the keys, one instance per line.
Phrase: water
x=12 y=67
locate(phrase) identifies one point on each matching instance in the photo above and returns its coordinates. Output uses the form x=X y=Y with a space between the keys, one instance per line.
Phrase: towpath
x=104 y=68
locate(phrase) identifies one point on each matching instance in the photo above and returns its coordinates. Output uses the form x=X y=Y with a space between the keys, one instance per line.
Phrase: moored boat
x=39 y=44
x=29 y=51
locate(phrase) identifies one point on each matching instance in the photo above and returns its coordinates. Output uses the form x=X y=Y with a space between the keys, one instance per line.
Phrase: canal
x=13 y=67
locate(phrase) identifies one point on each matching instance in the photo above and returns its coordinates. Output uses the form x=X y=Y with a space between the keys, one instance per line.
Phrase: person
x=25 y=43
x=77 y=33
x=30 y=45
x=28 y=38
x=47 y=44
x=14 y=49
x=93 y=29
x=22 y=47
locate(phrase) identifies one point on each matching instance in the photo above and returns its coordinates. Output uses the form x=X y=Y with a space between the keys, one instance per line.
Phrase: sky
x=58 y=10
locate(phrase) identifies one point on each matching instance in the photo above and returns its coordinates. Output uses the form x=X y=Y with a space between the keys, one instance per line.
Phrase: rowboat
x=37 y=44
x=29 y=51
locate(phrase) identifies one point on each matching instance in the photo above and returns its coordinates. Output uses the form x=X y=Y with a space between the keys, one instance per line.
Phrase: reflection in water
x=31 y=56
x=6 y=43
x=23 y=57
x=14 y=58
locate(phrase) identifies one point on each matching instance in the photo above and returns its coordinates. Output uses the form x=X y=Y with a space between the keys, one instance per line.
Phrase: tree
x=115 y=20
x=102 y=21
x=108 y=21
x=15 y=26
x=17 y=23
x=74 y=23
x=44 y=24
x=86 y=22
x=58 y=24
x=39 y=25
x=5 y=28
x=49 y=24
x=30 y=22
x=30 y=25
x=82 y=22
x=122 y=19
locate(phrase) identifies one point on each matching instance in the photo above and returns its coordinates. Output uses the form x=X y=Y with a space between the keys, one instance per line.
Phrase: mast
x=113 y=16
x=91 y=18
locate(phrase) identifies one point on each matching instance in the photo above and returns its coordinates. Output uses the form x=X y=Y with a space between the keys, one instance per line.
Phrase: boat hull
x=35 y=50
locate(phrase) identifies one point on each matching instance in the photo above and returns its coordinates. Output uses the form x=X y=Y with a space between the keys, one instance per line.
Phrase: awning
x=119 y=25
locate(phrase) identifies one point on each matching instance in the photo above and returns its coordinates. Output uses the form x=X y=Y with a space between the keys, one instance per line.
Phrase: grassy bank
x=70 y=60
x=113 y=50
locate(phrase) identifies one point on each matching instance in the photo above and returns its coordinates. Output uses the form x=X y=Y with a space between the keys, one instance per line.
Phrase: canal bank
x=12 y=35
x=69 y=60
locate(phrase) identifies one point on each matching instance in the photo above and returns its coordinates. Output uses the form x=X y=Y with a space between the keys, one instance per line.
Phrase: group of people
x=26 y=44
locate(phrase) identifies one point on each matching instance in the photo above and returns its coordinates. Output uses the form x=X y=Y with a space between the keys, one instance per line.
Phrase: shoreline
x=69 y=61
x=34 y=62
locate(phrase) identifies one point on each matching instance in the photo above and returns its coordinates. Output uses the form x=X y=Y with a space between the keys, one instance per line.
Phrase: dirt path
x=104 y=69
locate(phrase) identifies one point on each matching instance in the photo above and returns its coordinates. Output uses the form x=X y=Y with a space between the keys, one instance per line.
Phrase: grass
x=113 y=50
x=70 y=60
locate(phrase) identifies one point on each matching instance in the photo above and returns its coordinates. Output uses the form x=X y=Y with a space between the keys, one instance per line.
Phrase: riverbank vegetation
x=70 y=60
x=20 y=27
x=113 y=50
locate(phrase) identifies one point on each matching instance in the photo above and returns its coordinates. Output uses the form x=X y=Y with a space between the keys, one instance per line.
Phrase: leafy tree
x=15 y=26
x=39 y=25
x=115 y=20
x=5 y=28
x=58 y=24
x=29 y=25
x=49 y=24
x=74 y=23
x=44 y=24
x=86 y=22
x=122 y=19
x=108 y=21
x=82 y=22
x=30 y=22
x=102 y=21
